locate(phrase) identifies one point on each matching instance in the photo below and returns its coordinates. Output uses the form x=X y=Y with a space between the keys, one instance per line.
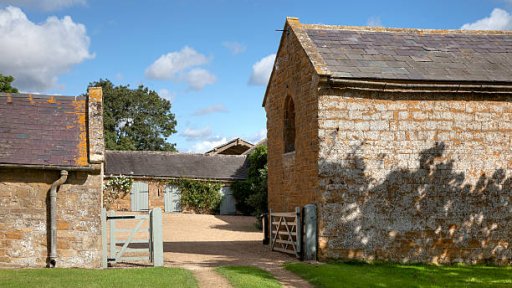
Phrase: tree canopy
x=135 y=119
x=5 y=84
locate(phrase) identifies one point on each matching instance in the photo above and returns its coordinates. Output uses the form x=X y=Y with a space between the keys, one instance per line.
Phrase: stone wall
x=24 y=228
x=292 y=177
x=415 y=177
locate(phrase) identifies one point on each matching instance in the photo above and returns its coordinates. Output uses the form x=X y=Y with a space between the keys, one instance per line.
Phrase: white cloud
x=498 y=20
x=197 y=78
x=234 y=47
x=258 y=136
x=374 y=22
x=194 y=134
x=169 y=65
x=206 y=145
x=215 y=108
x=182 y=66
x=45 y=5
x=261 y=70
x=166 y=94
x=36 y=54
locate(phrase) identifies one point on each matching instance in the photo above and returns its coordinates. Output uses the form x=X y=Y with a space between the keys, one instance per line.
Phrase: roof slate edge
x=174 y=177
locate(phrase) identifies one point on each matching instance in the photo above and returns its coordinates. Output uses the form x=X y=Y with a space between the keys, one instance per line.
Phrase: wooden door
x=228 y=203
x=139 y=196
x=172 y=199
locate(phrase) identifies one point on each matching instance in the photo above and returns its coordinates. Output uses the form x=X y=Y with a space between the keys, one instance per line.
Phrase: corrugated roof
x=413 y=54
x=175 y=165
x=43 y=130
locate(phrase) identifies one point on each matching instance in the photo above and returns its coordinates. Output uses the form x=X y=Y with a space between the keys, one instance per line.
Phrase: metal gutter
x=51 y=167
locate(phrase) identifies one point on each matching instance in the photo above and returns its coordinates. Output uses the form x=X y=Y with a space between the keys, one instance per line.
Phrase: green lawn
x=248 y=277
x=122 y=278
x=395 y=275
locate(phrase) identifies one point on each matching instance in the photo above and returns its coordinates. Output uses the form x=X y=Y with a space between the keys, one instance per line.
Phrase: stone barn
x=152 y=170
x=401 y=137
x=51 y=158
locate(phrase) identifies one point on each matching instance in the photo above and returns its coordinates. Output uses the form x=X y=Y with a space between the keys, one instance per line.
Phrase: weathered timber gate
x=294 y=232
x=286 y=232
x=146 y=231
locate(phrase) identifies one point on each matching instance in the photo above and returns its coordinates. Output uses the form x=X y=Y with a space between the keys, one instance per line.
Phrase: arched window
x=289 y=125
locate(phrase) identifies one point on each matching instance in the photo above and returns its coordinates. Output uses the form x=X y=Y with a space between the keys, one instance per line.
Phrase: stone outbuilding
x=401 y=137
x=51 y=155
x=152 y=170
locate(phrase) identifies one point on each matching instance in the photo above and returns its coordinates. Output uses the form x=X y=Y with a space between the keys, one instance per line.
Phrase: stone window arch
x=289 y=125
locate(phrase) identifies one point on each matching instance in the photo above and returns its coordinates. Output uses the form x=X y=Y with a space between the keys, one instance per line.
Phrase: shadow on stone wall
x=429 y=214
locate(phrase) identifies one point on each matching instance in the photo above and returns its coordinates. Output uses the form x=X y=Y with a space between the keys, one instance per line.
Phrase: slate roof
x=43 y=130
x=408 y=54
x=175 y=165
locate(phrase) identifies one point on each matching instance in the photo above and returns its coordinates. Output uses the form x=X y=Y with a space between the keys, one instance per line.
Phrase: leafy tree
x=5 y=84
x=135 y=119
x=251 y=194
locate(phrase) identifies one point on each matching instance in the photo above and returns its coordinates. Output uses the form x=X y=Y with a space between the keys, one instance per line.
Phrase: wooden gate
x=286 y=232
x=144 y=233
x=172 y=199
x=139 y=196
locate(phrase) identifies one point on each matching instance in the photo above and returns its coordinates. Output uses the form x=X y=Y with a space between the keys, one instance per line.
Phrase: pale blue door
x=172 y=199
x=139 y=196
x=227 y=205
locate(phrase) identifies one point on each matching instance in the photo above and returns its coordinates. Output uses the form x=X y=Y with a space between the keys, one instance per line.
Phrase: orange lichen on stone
x=81 y=159
x=52 y=100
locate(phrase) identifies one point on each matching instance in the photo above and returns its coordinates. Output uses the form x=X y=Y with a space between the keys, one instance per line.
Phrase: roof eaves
x=439 y=86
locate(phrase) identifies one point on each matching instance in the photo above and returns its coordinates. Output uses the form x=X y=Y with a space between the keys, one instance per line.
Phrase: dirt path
x=202 y=242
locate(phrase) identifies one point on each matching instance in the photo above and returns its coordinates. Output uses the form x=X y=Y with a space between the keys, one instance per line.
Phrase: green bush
x=251 y=194
x=199 y=196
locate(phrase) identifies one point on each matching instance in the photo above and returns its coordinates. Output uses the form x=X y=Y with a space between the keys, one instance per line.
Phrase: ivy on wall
x=116 y=187
x=251 y=193
x=199 y=196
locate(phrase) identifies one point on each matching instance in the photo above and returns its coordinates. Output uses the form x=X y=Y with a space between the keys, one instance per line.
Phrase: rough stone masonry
x=39 y=136
x=402 y=139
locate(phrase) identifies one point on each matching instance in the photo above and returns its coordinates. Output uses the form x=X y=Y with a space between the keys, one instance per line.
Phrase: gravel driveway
x=201 y=242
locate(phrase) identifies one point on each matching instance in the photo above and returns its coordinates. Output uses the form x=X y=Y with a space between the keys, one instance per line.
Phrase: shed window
x=289 y=125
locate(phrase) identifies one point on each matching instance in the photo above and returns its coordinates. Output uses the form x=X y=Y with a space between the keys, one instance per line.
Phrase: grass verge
x=396 y=275
x=122 y=278
x=248 y=277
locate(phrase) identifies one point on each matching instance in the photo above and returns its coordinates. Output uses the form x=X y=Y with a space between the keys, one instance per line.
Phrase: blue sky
x=210 y=58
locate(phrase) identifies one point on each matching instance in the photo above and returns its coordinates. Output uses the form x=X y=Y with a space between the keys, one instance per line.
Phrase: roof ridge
x=410 y=30
x=169 y=153
x=36 y=95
